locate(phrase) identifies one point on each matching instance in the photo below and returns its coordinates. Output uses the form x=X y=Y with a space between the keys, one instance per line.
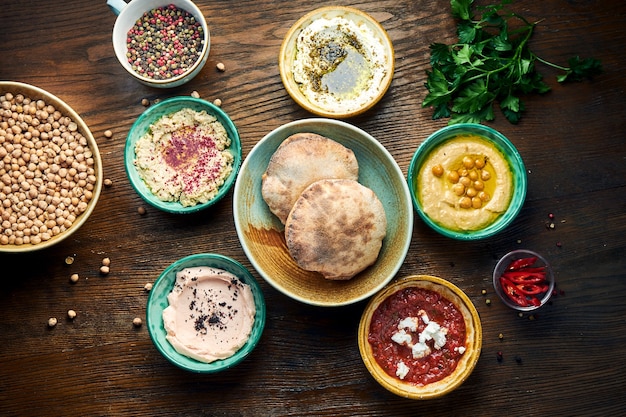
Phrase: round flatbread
x=299 y=161
x=336 y=228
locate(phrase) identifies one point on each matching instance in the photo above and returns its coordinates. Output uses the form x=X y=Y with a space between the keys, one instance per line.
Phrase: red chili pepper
x=522 y=263
x=534 y=301
x=532 y=289
x=523 y=277
x=513 y=293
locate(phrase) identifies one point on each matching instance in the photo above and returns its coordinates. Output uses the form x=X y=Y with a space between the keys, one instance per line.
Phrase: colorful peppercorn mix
x=164 y=43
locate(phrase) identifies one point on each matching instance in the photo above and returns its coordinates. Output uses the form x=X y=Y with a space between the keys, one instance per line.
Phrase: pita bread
x=336 y=228
x=299 y=161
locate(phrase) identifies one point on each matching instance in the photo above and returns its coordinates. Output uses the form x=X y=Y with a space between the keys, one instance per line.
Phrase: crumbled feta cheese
x=408 y=323
x=402 y=338
x=419 y=350
x=401 y=370
x=424 y=316
x=460 y=349
x=433 y=331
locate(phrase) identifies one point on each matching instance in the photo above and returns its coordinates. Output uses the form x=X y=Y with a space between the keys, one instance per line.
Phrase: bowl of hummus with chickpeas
x=50 y=169
x=467 y=181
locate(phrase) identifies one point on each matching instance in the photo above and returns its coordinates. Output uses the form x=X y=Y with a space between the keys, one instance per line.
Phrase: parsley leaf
x=491 y=62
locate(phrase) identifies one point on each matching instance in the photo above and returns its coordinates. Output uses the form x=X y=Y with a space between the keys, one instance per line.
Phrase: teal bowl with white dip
x=158 y=302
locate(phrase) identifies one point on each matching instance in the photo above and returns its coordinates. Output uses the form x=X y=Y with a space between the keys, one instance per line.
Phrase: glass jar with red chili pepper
x=523 y=280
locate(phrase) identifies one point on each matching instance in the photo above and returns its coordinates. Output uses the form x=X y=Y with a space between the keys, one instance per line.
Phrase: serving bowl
x=527 y=286
x=358 y=73
x=157 y=302
x=262 y=234
x=445 y=215
x=143 y=125
x=129 y=13
x=35 y=93
x=379 y=308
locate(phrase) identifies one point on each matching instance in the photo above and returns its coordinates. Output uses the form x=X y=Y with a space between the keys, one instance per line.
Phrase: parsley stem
x=551 y=64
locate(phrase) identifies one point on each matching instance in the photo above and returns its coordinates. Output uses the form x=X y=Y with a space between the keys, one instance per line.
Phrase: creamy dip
x=465 y=183
x=339 y=64
x=184 y=157
x=210 y=314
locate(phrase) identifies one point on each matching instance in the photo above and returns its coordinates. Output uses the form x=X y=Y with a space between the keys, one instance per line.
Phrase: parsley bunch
x=490 y=63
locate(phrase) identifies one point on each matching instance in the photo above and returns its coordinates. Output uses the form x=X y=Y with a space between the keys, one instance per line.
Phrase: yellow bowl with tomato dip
x=420 y=338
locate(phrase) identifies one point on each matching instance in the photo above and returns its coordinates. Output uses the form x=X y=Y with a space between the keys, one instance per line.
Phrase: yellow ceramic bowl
x=262 y=235
x=365 y=71
x=473 y=339
x=35 y=93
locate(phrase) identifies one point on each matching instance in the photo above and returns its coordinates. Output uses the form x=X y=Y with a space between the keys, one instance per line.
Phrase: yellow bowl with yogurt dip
x=336 y=62
x=467 y=181
x=205 y=313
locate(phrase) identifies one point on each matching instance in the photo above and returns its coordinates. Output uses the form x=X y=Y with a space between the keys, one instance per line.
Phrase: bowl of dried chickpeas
x=50 y=169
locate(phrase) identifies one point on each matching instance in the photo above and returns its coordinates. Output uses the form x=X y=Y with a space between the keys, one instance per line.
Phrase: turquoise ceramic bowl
x=506 y=148
x=157 y=302
x=142 y=125
x=262 y=235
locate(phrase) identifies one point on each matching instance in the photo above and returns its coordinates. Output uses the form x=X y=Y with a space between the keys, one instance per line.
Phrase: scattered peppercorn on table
x=74 y=337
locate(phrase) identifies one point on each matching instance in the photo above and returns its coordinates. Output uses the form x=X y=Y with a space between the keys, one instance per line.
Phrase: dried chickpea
x=137 y=322
x=39 y=163
x=71 y=314
x=220 y=67
x=52 y=321
x=104 y=270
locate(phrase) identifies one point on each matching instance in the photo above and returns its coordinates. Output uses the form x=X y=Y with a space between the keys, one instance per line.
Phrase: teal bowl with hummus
x=467 y=181
x=182 y=155
x=205 y=313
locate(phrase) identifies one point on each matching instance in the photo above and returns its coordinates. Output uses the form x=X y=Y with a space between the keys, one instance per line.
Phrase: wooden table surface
x=307 y=363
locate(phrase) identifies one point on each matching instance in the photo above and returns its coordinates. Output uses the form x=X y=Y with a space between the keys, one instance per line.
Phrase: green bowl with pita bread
x=262 y=233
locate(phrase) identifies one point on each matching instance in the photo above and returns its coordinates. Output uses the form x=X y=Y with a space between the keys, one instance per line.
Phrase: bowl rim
x=93 y=147
x=121 y=49
x=504 y=146
x=517 y=254
x=408 y=390
x=289 y=127
x=147 y=118
x=154 y=312
x=286 y=74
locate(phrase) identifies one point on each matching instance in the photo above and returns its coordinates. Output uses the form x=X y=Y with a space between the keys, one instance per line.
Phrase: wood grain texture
x=307 y=362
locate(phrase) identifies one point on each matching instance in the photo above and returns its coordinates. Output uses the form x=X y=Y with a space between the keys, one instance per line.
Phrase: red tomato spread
x=417 y=335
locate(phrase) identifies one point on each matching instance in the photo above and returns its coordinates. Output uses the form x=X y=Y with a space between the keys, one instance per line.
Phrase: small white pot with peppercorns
x=162 y=43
